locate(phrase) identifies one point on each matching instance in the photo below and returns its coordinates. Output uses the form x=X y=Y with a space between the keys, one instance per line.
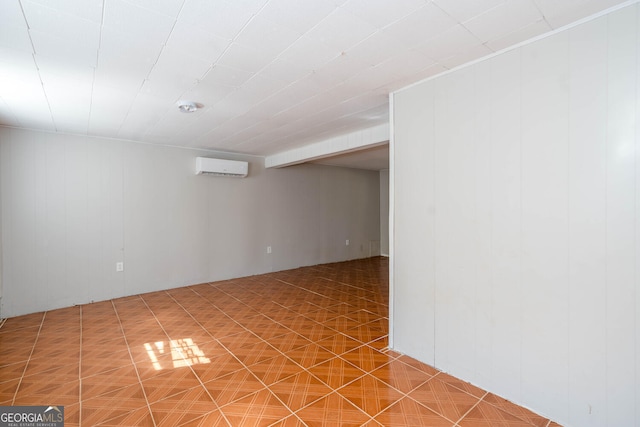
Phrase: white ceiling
x=270 y=75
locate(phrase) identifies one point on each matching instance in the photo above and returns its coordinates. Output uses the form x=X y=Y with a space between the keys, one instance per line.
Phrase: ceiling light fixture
x=187 y=106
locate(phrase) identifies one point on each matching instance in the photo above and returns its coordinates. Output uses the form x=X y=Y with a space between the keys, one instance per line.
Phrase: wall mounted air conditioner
x=220 y=167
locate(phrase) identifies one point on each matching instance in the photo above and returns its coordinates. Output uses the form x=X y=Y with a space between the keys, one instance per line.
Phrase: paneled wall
x=516 y=256
x=72 y=207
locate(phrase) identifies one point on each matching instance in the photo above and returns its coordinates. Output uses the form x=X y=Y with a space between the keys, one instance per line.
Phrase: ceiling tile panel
x=208 y=94
x=136 y=125
x=467 y=55
x=302 y=89
x=560 y=13
x=19 y=77
x=38 y=117
x=425 y=73
x=227 y=76
x=233 y=105
x=427 y=22
x=214 y=137
x=145 y=111
x=109 y=107
x=127 y=79
x=364 y=104
x=381 y=13
x=137 y=22
x=13 y=28
x=166 y=89
x=532 y=30
x=265 y=126
x=297 y=15
x=75 y=53
x=268 y=36
x=22 y=90
x=61 y=24
x=452 y=42
x=405 y=62
x=259 y=88
x=309 y=53
x=197 y=42
x=179 y=68
x=245 y=133
x=187 y=135
x=206 y=121
x=54 y=68
x=172 y=125
x=375 y=49
x=7 y=116
x=86 y=9
x=284 y=71
x=342 y=30
x=281 y=101
x=307 y=108
x=463 y=10
x=71 y=118
x=170 y=8
x=123 y=64
x=337 y=70
x=250 y=59
x=324 y=116
x=15 y=37
x=62 y=36
x=61 y=90
x=120 y=51
x=222 y=18
x=221 y=134
x=504 y=19
x=372 y=78
x=259 y=114
x=348 y=89
x=69 y=99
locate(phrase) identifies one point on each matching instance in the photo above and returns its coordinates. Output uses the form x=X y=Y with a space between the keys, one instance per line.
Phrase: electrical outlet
x=268 y=249
x=347 y=242
x=119 y=266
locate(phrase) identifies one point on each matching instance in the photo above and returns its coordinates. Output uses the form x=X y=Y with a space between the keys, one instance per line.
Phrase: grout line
x=13 y=402
x=265 y=341
x=218 y=407
x=472 y=408
x=334 y=390
x=133 y=362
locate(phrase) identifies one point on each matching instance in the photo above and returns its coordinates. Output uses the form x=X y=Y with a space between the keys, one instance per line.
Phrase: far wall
x=73 y=206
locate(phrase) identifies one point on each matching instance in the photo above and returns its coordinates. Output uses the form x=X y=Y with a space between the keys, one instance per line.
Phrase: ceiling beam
x=342 y=144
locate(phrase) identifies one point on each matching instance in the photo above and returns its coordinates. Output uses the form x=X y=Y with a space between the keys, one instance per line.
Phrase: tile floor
x=305 y=347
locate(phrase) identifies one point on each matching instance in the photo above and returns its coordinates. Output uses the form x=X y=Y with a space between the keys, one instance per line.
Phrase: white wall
x=72 y=206
x=516 y=257
x=384 y=212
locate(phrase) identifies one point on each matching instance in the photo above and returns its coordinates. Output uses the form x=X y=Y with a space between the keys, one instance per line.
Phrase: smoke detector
x=187 y=106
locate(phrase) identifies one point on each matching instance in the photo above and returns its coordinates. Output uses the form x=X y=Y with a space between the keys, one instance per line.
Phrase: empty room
x=320 y=213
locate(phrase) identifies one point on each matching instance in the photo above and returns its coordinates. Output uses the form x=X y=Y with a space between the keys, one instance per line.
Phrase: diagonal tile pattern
x=304 y=347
